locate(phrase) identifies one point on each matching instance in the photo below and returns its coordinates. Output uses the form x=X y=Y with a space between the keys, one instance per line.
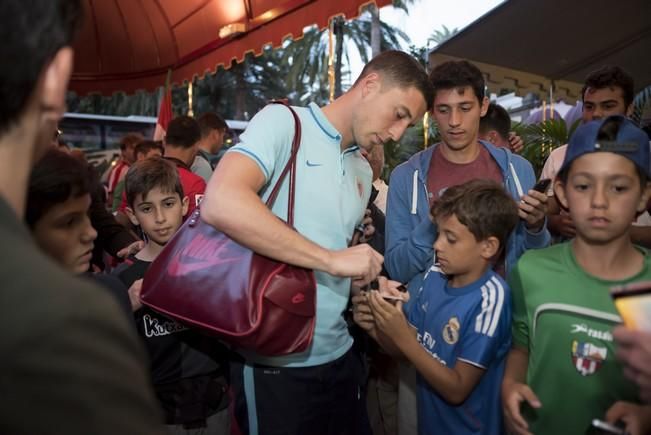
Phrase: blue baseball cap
x=614 y=134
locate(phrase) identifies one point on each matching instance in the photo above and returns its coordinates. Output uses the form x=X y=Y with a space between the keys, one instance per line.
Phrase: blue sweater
x=410 y=234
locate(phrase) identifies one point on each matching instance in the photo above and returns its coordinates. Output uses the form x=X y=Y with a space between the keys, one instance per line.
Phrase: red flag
x=164 y=111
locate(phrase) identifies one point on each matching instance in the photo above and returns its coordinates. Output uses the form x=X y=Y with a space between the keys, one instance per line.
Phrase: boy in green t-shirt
x=562 y=371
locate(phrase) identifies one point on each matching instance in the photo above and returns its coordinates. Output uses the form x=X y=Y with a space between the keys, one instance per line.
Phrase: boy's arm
x=515 y=391
x=453 y=384
x=408 y=248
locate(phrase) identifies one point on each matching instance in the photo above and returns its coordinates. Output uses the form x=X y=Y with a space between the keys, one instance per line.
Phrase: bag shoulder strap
x=289 y=167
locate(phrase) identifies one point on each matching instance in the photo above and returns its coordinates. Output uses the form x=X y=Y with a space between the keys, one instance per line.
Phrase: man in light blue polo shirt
x=316 y=392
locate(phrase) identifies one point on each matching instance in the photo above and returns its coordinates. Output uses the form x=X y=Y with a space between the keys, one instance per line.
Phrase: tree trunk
x=339 y=52
x=375 y=30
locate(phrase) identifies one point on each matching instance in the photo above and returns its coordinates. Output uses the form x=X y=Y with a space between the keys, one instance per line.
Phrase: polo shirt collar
x=325 y=125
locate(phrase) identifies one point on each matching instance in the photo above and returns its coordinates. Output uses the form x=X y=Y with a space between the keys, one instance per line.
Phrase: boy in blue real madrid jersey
x=456 y=333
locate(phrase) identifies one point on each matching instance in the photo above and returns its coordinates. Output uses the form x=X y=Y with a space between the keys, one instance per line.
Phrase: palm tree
x=308 y=56
x=541 y=138
x=641 y=105
x=241 y=90
x=376 y=31
x=119 y=104
x=439 y=36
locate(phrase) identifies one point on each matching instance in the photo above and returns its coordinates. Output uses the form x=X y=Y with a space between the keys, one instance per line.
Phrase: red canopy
x=127 y=45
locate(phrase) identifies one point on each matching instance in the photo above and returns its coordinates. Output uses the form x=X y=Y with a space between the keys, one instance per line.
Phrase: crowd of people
x=461 y=298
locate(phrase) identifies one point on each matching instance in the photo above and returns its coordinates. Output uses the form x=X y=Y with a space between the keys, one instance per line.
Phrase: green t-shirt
x=564 y=317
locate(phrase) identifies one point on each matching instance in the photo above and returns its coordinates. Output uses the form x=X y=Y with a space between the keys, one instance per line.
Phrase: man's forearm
x=247 y=220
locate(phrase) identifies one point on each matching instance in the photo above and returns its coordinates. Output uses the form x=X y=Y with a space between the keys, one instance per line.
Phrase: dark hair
x=483 y=206
x=608 y=77
x=55 y=178
x=145 y=175
x=130 y=140
x=496 y=118
x=210 y=121
x=607 y=133
x=31 y=31
x=144 y=146
x=183 y=131
x=400 y=69
x=456 y=74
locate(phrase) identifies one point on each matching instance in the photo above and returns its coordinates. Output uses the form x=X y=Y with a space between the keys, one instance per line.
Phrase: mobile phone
x=392 y=298
x=542 y=185
x=599 y=427
x=633 y=302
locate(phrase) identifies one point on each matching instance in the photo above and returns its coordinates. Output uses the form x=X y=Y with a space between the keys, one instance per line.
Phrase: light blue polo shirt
x=332 y=190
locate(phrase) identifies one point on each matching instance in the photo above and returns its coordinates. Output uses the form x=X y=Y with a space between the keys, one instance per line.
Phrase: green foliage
x=439 y=36
x=243 y=89
x=140 y=103
x=402 y=4
x=541 y=138
x=641 y=102
x=307 y=57
x=411 y=142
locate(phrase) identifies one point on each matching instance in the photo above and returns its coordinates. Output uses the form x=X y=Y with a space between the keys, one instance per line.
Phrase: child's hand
x=132 y=249
x=515 y=142
x=389 y=318
x=134 y=295
x=362 y=314
x=367 y=234
x=369 y=229
x=392 y=289
x=533 y=209
x=513 y=394
x=637 y=418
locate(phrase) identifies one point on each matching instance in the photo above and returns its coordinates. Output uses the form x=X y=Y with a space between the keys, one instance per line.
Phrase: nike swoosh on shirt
x=311 y=164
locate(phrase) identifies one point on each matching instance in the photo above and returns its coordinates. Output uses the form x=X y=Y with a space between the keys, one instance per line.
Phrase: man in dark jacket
x=70 y=364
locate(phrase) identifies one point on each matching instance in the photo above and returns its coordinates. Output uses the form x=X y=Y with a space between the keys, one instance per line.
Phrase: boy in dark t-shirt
x=187 y=367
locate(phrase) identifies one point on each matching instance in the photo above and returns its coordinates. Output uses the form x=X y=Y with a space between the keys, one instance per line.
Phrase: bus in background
x=99 y=135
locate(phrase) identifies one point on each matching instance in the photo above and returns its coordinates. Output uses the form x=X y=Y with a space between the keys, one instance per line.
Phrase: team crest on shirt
x=450 y=331
x=587 y=358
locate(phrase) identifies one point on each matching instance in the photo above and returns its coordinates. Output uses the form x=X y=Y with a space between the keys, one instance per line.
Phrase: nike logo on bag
x=177 y=269
x=298 y=298
x=201 y=252
x=311 y=164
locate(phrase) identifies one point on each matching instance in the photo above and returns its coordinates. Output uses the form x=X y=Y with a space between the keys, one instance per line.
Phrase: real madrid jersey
x=564 y=317
x=469 y=324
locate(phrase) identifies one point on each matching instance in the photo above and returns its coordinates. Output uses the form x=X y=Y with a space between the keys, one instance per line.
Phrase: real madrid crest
x=451 y=330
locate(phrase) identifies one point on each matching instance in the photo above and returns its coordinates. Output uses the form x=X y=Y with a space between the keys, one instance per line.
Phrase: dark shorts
x=320 y=400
